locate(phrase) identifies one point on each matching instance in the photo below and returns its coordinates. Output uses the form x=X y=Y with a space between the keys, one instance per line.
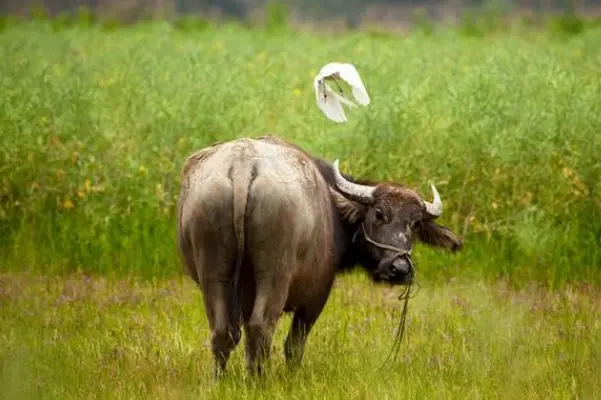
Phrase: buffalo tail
x=242 y=177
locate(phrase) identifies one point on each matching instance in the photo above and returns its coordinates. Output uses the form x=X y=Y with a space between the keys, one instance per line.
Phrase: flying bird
x=328 y=100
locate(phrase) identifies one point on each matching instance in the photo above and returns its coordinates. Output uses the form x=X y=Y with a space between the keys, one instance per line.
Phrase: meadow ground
x=80 y=337
x=95 y=125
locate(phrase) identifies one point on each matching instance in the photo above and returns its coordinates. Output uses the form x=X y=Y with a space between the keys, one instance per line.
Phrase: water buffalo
x=264 y=227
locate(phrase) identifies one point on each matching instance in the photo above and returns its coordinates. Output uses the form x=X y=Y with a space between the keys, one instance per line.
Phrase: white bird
x=328 y=100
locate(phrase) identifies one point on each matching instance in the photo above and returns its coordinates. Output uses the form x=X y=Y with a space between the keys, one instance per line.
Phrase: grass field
x=95 y=125
x=89 y=337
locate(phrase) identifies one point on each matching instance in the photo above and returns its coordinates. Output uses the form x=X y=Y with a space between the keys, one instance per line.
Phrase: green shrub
x=276 y=15
x=191 y=22
x=61 y=22
x=84 y=17
x=566 y=24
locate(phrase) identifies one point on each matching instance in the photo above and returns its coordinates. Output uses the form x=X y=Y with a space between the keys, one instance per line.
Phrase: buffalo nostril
x=400 y=265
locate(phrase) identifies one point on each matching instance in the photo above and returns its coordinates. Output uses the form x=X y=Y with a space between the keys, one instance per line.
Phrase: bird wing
x=331 y=102
x=349 y=74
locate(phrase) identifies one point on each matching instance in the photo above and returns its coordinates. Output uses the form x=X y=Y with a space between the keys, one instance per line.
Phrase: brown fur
x=349 y=210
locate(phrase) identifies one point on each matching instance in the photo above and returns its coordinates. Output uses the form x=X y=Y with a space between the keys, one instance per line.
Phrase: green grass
x=95 y=126
x=80 y=337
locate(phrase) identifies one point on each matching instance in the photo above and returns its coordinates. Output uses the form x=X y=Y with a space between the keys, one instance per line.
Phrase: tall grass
x=95 y=126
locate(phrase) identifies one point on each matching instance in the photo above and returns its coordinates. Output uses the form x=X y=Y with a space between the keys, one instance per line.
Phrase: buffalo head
x=387 y=219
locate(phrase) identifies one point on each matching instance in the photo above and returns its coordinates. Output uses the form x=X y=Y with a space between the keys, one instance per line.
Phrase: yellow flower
x=296 y=92
x=142 y=170
x=158 y=190
x=87 y=185
x=68 y=204
x=527 y=198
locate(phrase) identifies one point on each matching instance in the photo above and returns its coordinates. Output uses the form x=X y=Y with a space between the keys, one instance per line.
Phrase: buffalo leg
x=268 y=307
x=303 y=321
x=223 y=321
x=216 y=270
x=225 y=331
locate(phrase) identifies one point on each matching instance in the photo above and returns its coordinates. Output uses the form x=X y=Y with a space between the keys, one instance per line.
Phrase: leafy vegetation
x=96 y=124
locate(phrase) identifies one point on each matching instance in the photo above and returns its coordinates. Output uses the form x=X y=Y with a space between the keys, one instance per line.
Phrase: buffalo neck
x=349 y=244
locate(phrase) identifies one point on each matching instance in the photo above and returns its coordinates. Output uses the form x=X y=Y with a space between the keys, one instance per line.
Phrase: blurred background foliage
x=475 y=15
x=502 y=111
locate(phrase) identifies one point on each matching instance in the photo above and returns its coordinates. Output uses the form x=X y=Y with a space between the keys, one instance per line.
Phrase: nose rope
x=406 y=295
x=399 y=251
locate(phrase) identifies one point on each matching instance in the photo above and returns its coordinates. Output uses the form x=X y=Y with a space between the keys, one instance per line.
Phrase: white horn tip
x=434 y=191
x=436 y=204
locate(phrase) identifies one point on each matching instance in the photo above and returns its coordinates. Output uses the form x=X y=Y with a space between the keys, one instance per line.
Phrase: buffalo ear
x=350 y=210
x=433 y=234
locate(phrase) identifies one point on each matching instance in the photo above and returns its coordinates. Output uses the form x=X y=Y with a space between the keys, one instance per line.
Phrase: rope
x=405 y=294
x=399 y=251
x=400 y=333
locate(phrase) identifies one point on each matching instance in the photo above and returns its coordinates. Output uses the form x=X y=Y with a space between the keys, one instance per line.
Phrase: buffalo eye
x=415 y=224
x=380 y=215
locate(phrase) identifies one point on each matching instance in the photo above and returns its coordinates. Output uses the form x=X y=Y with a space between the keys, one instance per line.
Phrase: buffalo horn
x=360 y=193
x=434 y=209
